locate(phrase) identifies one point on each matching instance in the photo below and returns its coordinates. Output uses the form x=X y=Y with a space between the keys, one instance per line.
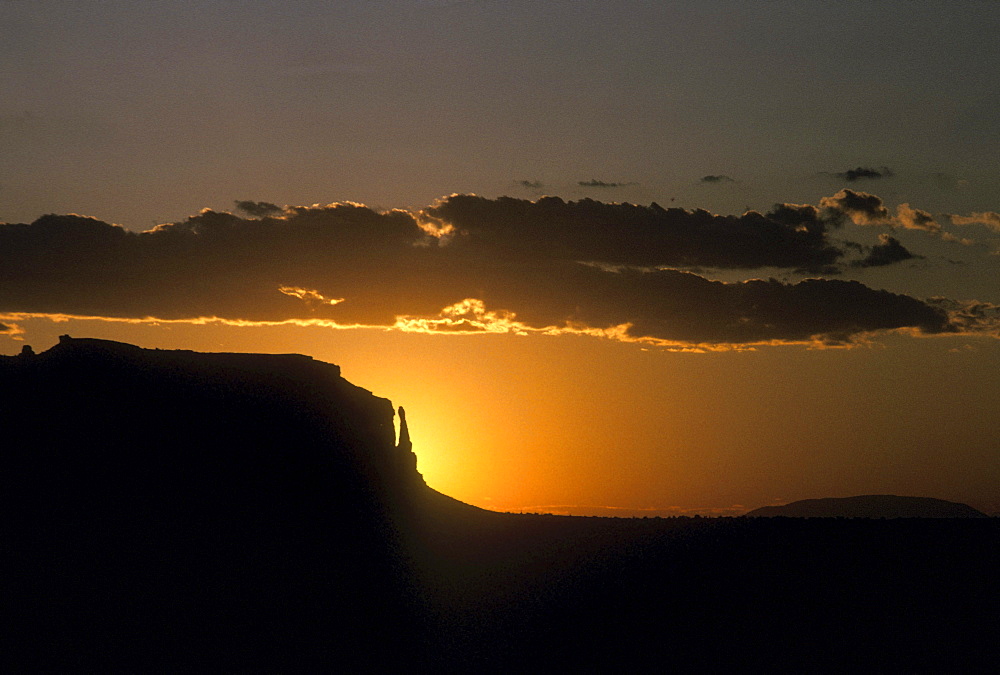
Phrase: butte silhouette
x=174 y=511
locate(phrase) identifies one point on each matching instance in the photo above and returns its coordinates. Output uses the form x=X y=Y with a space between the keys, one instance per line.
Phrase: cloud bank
x=475 y=265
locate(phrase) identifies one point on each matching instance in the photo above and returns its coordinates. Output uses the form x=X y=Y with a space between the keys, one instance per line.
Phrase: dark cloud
x=530 y=184
x=886 y=252
x=863 y=173
x=716 y=179
x=5 y=329
x=680 y=307
x=258 y=209
x=970 y=316
x=464 y=264
x=789 y=236
x=211 y=264
x=860 y=207
x=601 y=184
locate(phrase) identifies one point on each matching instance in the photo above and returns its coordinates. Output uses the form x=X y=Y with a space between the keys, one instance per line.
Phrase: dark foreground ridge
x=870 y=506
x=177 y=511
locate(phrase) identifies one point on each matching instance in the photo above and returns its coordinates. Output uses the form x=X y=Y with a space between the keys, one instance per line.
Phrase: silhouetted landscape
x=174 y=510
x=870 y=506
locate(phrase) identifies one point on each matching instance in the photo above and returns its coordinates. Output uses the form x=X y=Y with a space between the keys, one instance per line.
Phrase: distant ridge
x=870 y=506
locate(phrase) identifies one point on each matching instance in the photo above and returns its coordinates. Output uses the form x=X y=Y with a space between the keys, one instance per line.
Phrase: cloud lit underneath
x=473 y=265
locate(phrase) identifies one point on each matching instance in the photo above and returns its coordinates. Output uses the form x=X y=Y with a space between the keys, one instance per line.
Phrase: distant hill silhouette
x=177 y=511
x=870 y=506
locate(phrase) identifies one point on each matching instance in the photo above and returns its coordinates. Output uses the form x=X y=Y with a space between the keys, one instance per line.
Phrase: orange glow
x=471 y=317
x=435 y=227
x=513 y=422
x=309 y=296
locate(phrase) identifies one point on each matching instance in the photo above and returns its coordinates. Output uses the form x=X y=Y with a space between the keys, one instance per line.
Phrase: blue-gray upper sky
x=142 y=112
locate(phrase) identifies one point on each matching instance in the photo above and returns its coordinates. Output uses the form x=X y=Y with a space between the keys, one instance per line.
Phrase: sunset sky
x=614 y=258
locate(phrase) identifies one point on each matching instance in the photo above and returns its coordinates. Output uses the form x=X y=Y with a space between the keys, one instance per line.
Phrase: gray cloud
x=601 y=184
x=716 y=179
x=788 y=236
x=530 y=184
x=971 y=316
x=686 y=308
x=465 y=264
x=886 y=252
x=863 y=173
x=860 y=207
x=863 y=208
x=257 y=209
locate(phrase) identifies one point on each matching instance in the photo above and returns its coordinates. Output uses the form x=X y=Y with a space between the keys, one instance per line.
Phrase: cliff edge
x=157 y=500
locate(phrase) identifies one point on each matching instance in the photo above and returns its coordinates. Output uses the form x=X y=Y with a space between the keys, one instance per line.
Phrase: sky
x=630 y=258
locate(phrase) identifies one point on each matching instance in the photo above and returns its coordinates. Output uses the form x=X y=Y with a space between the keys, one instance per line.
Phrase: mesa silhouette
x=178 y=511
x=168 y=507
x=870 y=506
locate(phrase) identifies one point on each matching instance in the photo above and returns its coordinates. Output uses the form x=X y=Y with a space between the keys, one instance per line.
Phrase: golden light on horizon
x=509 y=422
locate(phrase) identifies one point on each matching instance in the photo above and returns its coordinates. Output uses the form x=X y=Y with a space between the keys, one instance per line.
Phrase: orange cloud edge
x=470 y=317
